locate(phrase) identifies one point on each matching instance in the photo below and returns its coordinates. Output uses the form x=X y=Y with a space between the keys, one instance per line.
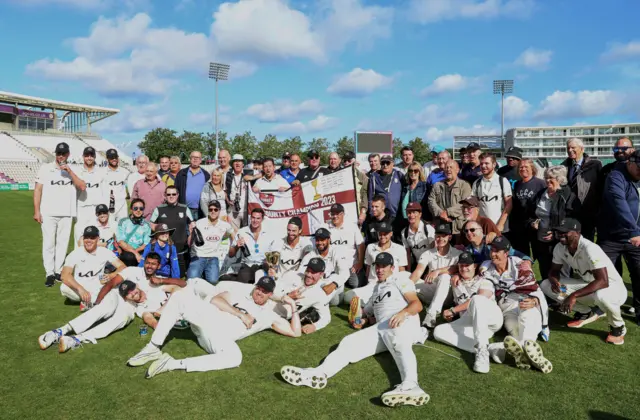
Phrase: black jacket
x=181 y=183
x=587 y=186
x=564 y=203
x=370 y=226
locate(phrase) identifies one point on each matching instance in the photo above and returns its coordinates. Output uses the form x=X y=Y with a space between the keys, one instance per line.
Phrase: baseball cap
x=91 y=232
x=237 y=157
x=413 y=206
x=125 y=287
x=62 y=148
x=214 y=203
x=295 y=220
x=443 y=228
x=501 y=244
x=384 y=227
x=383 y=258
x=267 y=284
x=89 y=151
x=348 y=155
x=112 y=154
x=471 y=201
x=465 y=258
x=312 y=152
x=386 y=158
x=514 y=152
x=473 y=146
x=337 y=208
x=286 y=155
x=316 y=265
x=568 y=225
x=437 y=149
x=102 y=208
x=322 y=233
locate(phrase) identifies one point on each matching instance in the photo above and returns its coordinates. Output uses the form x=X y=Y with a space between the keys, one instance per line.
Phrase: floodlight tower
x=218 y=71
x=501 y=87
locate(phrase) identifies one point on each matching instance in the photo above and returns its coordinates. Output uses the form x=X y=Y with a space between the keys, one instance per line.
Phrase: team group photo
x=405 y=270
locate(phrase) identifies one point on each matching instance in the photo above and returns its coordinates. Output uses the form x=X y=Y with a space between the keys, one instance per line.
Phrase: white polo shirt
x=467 y=289
x=347 y=236
x=588 y=257
x=106 y=232
x=505 y=281
x=89 y=267
x=290 y=257
x=388 y=296
x=274 y=183
x=213 y=234
x=337 y=267
x=96 y=192
x=432 y=258
x=397 y=251
x=58 y=192
x=418 y=242
x=156 y=296
x=257 y=252
x=492 y=197
x=116 y=180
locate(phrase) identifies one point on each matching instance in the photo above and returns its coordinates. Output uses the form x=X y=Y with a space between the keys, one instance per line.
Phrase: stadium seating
x=10 y=149
x=48 y=142
x=19 y=171
x=102 y=145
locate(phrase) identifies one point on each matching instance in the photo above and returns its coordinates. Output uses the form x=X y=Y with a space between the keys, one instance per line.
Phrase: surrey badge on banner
x=310 y=201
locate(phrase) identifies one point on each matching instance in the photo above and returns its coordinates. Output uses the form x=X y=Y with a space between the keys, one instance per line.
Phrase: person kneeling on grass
x=474 y=318
x=218 y=322
x=395 y=306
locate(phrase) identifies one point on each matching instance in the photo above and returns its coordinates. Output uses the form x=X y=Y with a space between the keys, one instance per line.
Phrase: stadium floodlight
x=218 y=71
x=501 y=87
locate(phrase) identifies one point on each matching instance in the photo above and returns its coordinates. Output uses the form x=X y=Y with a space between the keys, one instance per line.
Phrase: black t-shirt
x=524 y=194
x=307 y=174
x=470 y=174
x=511 y=173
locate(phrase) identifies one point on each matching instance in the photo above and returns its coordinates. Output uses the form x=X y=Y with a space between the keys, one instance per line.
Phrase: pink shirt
x=152 y=194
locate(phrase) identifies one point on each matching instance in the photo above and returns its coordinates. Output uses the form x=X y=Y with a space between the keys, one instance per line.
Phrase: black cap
x=295 y=220
x=443 y=228
x=337 y=208
x=91 y=232
x=266 y=283
x=312 y=152
x=322 y=233
x=384 y=227
x=214 y=203
x=112 y=154
x=89 y=151
x=473 y=146
x=384 y=258
x=501 y=244
x=568 y=225
x=514 y=152
x=348 y=155
x=465 y=258
x=286 y=155
x=62 y=148
x=102 y=208
x=125 y=287
x=316 y=265
x=386 y=158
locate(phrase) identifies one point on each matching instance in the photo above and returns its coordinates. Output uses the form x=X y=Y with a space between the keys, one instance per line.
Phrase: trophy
x=272 y=259
x=314 y=184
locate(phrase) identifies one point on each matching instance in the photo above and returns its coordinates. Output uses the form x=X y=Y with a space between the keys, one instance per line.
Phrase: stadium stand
x=102 y=145
x=19 y=171
x=14 y=150
x=48 y=142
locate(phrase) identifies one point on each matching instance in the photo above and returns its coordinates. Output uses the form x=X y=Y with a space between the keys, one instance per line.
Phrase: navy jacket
x=418 y=195
x=181 y=185
x=619 y=214
x=393 y=195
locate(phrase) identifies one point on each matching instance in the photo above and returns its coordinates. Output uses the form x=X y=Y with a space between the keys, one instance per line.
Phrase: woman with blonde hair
x=525 y=192
x=414 y=191
x=214 y=191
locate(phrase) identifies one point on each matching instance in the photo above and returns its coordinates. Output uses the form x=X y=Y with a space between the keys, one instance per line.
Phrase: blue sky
x=330 y=67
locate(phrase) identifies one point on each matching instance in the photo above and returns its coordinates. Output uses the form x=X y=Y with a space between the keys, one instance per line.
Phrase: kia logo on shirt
x=291 y=262
x=423 y=246
x=88 y=274
x=489 y=199
x=213 y=238
x=339 y=242
x=116 y=183
x=380 y=298
x=61 y=183
x=90 y=185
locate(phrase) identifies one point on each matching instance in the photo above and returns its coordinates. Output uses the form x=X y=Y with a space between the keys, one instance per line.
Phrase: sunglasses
x=413 y=171
x=472 y=230
x=214 y=209
x=172 y=195
x=621 y=149
x=137 y=208
x=386 y=163
x=314 y=157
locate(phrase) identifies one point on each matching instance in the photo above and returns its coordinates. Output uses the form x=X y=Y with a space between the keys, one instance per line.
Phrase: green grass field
x=590 y=378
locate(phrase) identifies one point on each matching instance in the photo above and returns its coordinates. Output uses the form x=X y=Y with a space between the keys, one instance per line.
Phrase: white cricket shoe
x=149 y=353
x=67 y=343
x=481 y=365
x=534 y=353
x=408 y=393
x=430 y=320
x=422 y=337
x=545 y=333
x=497 y=352
x=50 y=337
x=159 y=366
x=298 y=376
x=515 y=349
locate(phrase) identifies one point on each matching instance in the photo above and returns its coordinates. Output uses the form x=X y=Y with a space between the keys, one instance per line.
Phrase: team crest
x=267 y=199
x=181 y=214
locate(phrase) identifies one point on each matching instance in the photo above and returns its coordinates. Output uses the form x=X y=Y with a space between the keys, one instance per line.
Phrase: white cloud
x=429 y=11
x=318 y=124
x=436 y=134
x=284 y=110
x=208 y=119
x=534 y=59
x=449 y=83
x=514 y=108
x=133 y=118
x=437 y=114
x=619 y=51
x=87 y=4
x=585 y=103
x=359 y=82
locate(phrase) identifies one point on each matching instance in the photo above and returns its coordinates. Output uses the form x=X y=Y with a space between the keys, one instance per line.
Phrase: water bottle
x=112 y=203
x=143 y=331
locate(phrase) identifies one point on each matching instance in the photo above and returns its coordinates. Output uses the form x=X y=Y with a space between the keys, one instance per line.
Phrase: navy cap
x=316 y=265
x=266 y=283
x=112 y=154
x=62 y=148
x=472 y=147
x=322 y=233
x=286 y=155
x=465 y=258
x=384 y=258
x=514 y=152
x=89 y=151
x=384 y=227
x=125 y=287
x=337 y=208
x=348 y=155
x=91 y=232
x=102 y=208
x=568 y=225
x=295 y=220
x=443 y=228
x=386 y=158
x=313 y=152
x=501 y=244
x=214 y=203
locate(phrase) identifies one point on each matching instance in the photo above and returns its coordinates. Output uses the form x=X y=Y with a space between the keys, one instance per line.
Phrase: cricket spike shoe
x=534 y=353
x=580 y=320
x=303 y=377
x=616 y=335
x=405 y=394
x=49 y=338
x=50 y=281
x=355 y=313
x=514 y=348
x=67 y=343
x=159 y=366
x=149 y=353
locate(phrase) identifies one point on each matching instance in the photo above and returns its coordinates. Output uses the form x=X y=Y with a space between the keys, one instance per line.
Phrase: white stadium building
x=31 y=127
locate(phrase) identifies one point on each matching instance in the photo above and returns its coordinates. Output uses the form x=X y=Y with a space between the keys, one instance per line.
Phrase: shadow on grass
x=600 y=415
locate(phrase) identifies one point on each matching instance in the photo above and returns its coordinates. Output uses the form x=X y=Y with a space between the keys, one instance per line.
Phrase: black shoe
x=50 y=281
x=57 y=277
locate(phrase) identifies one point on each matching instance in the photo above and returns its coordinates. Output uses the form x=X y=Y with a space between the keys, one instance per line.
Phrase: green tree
x=270 y=147
x=345 y=144
x=397 y=147
x=421 y=150
x=158 y=142
x=210 y=144
x=320 y=144
x=293 y=145
x=191 y=141
x=245 y=144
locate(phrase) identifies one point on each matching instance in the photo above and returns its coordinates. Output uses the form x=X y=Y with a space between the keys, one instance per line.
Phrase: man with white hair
x=583 y=174
x=141 y=164
x=334 y=163
x=150 y=189
x=224 y=159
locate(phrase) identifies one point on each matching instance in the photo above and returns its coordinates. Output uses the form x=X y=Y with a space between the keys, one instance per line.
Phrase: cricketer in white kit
x=115 y=178
x=218 y=323
x=93 y=195
x=54 y=207
x=292 y=249
x=478 y=317
x=394 y=311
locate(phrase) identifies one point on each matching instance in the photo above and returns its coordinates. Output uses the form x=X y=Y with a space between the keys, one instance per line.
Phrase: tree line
x=164 y=141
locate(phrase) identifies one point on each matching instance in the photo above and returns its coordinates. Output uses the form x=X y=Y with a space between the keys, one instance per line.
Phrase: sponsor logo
x=423 y=246
x=339 y=242
x=244 y=311
x=382 y=297
x=291 y=261
x=181 y=215
x=88 y=274
x=116 y=183
x=267 y=199
x=489 y=199
x=61 y=183
x=213 y=238
x=90 y=185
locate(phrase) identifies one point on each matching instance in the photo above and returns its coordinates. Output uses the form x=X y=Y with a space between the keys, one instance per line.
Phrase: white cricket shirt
x=418 y=242
x=96 y=192
x=59 y=195
x=588 y=257
x=156 y=296
x=290 y=258
x=432 y=258
x=504 y=281
x=347 y=236
x=467 y=289
x=257 y=252
x=213 y=234
x=491 y=197
x=337 y=267
x=116 y=180
x=388 y=296
x=397 y=251
x=87 y=268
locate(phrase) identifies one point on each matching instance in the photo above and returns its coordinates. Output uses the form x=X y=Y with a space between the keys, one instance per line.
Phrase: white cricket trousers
x=55 y=240
x=71 y=294
x=113 y=310
x=207 y=323
x=86 y=216
x=377 y=339
x=436 y=293
x=475 y=327
x=521 y=325
x=609 y=299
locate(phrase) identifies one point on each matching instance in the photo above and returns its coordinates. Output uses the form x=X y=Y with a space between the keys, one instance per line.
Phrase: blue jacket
x=418 y=195
x=168 y=259
x=619 y=214
x=483 y=254
x=436 y=175
x=393 y=196
x=287 y=175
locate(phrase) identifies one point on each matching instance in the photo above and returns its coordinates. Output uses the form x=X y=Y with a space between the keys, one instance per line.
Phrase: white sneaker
x=424 y=334
x=67 y=343
x=405 y=394
x=430 y=320
x=50 y=337
x=159 y=366
x=497 y=352
x=149 y=353
x=298 y=376
x=481 y=364
x=534 y=353
x=545 y=333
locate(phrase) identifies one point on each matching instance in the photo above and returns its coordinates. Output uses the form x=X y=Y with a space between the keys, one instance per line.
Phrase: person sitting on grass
x=162 y=245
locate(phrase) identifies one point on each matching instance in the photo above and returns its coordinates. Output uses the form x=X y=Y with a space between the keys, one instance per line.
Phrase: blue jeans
x=210 y=266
